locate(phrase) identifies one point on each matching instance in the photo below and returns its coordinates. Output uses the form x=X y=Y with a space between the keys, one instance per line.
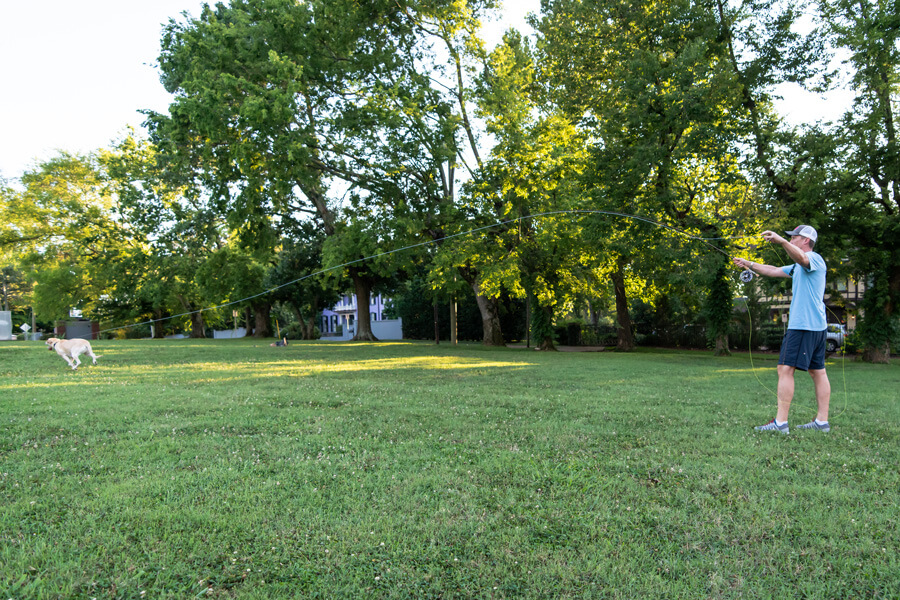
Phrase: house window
x=374 y=316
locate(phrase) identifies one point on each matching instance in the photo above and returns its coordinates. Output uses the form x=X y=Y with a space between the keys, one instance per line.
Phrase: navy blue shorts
x=803 y=349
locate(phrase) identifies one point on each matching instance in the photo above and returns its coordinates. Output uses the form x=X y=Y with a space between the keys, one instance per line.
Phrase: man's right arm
x=766 y=270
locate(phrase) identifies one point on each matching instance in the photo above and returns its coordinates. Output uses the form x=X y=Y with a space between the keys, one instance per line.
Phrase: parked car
x=834 y=336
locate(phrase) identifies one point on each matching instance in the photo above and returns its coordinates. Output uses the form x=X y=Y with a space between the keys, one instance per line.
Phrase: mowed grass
x=230 y=469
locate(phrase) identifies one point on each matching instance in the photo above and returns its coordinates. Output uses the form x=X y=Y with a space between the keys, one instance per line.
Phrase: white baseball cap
x=806 y=231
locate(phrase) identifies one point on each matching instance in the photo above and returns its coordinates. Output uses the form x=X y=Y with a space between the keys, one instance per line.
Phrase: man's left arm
x=796 y=254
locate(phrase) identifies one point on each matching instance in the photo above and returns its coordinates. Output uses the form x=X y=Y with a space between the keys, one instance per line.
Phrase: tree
x=359 y=247
x=62 y=230
x=870 y=209
x=182 y=228
x=300 y=257
x=763 y=49
x=235 y=275
x=281 y=106
x=719 y=311
x=652 y=93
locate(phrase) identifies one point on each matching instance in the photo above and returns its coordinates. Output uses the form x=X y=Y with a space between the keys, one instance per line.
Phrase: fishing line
x=746 y=276
x=704 y=240
x=750 y=344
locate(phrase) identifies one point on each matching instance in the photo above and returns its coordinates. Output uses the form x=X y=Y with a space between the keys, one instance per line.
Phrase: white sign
x=75 y=313
x=24 y=327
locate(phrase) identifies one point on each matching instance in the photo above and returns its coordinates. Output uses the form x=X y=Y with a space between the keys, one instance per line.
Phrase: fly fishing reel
x=747 y=276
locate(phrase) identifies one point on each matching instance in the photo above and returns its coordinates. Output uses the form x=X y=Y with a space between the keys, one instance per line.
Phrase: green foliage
x=852 y=343
x=14 y=287
x=719 y=310
x=414 y=303
x=542 y=330
x=880 y=329
x=299 y=257
x=66 y=238
x=867 y=212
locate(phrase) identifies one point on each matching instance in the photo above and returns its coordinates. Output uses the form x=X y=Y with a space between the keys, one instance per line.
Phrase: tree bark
x=492 y=334
x=880 y=355
x=197 y=324
x=363 y=288
x=157 y=327
x=722 y=345
x=198 y=327
x=625 y=341
x=546 y=342
x=309 y=326
x=248 y=321
x=490 y=319
x=262 y=328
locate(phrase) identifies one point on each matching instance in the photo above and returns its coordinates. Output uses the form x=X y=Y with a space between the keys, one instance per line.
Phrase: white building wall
x=6 y=325
x=227 y=334
x=390 y=329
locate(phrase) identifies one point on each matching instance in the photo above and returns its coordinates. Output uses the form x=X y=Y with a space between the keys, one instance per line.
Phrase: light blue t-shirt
x=808 y=288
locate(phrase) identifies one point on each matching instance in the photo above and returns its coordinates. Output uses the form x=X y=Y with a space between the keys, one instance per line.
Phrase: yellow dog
x=71 y=349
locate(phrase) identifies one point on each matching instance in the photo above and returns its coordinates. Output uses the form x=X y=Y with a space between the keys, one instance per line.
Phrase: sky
x=75 y=74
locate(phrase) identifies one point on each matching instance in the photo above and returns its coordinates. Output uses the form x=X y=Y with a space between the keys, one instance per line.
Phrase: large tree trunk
x=877 y=355
x=363 y=288
x=546 y=341
x=248 y=321
x=625 y=341
x=157 y=328
x=489 y=309
x=262 y=328
x=198 y=327
x=197 y=324
x=722 y=345
x=593 y=315
x=490 y=319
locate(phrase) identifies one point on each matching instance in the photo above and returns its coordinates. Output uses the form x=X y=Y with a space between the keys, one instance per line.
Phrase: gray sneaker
x=815 y=426
x=771 y=426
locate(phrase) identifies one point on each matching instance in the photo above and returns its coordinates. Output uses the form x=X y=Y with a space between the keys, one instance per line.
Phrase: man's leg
x=823 y=393
x=785 y=391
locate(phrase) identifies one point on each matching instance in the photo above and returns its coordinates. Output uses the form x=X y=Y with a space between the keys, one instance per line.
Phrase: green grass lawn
x=184 y=469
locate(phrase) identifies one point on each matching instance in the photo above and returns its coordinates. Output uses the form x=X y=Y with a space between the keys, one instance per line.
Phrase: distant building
x=339 y=321
x=77 y=327
x=843 y=307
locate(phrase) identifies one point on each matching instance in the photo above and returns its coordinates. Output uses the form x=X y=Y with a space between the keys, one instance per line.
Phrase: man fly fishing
x=803 y=346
